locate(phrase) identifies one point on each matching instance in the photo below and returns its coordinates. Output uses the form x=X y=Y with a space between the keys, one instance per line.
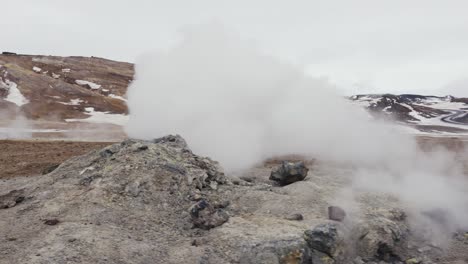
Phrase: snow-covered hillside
x=429 y=114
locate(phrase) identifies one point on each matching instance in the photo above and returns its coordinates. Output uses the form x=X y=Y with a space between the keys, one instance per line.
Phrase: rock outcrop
x=289 y=172
x=131 y=197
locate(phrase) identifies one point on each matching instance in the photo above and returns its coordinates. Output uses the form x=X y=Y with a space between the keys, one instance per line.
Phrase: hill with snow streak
x=427 y=114
x=56 y=94
x=53 y=96
x=60 y=88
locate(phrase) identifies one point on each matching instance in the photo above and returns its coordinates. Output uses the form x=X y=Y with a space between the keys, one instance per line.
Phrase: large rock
x=382 y=236
x=326 y=238
x=289 y=172
x=205 y=216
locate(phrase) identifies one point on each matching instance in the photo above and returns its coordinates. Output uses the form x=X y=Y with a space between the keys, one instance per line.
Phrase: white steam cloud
x=237 y=105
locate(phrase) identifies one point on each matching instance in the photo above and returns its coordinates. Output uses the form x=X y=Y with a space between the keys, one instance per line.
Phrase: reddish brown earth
x=28 y=158
x=55 y=84
x=32 y=157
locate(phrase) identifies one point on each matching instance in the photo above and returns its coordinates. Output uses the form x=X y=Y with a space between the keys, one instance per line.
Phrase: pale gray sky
x=417 y=46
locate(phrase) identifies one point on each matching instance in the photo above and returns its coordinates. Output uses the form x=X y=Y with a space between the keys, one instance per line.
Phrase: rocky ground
x=157 y=202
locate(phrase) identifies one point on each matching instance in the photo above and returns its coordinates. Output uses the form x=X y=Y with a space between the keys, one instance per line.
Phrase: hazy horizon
x=361 y=46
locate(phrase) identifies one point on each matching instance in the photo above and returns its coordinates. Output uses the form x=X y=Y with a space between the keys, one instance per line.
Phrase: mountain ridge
x=68 y=92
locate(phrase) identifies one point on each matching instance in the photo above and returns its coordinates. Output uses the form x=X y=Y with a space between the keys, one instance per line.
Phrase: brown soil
x=29 y=158
x=32 y=157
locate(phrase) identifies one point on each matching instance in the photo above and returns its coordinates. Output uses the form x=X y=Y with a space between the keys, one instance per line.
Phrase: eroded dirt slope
x=57 y=88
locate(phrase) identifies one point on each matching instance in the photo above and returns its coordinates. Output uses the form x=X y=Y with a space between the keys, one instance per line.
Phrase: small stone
x=336 y=213
x=106 y=153
x=424 y=249
x=413 y=261
x=221 y=204
x=51 y=221
x=321 y=258
x=196 y=197
x=295 y=217
x=205 y=216
x=213 y=185
x=71 y=240
x=50 y=169
x=144 y=147
x=358 y=260
x=247 y=178
x=198 y=242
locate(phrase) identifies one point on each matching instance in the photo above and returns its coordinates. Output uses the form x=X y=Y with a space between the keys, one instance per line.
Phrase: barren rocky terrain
x=157 y=202
x=119 y=200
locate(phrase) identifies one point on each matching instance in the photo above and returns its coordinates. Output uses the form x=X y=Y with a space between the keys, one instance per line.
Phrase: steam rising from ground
x=239 y=106
x=18 y=128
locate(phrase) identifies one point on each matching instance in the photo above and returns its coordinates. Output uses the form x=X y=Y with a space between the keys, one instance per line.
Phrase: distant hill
x=61 y=88
x=60 y=94
x=431 y=114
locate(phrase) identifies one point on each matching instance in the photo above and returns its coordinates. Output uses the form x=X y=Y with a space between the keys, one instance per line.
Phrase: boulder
x=205 y=216
x=289 y=172
x=326 y=238
x=379 y=237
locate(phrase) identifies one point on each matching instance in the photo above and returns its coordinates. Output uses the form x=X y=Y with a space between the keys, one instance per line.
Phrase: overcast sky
x=418 y=46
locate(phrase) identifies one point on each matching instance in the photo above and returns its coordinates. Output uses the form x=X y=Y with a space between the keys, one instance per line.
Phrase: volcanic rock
x=289 y=172
x=336 y=213
x=295 y=217
x=327 y=238
x=11 y=199
x=205 y=216
x=381 y=238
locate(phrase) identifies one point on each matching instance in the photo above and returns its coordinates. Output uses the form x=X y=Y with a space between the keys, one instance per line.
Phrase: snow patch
x=66 y=70
x=90 y=84
x=102 y=117
x=37 y=69
x=117 y=97
x=434 y=121
x=76 y=101
x=55 y=76
x=14 y=94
